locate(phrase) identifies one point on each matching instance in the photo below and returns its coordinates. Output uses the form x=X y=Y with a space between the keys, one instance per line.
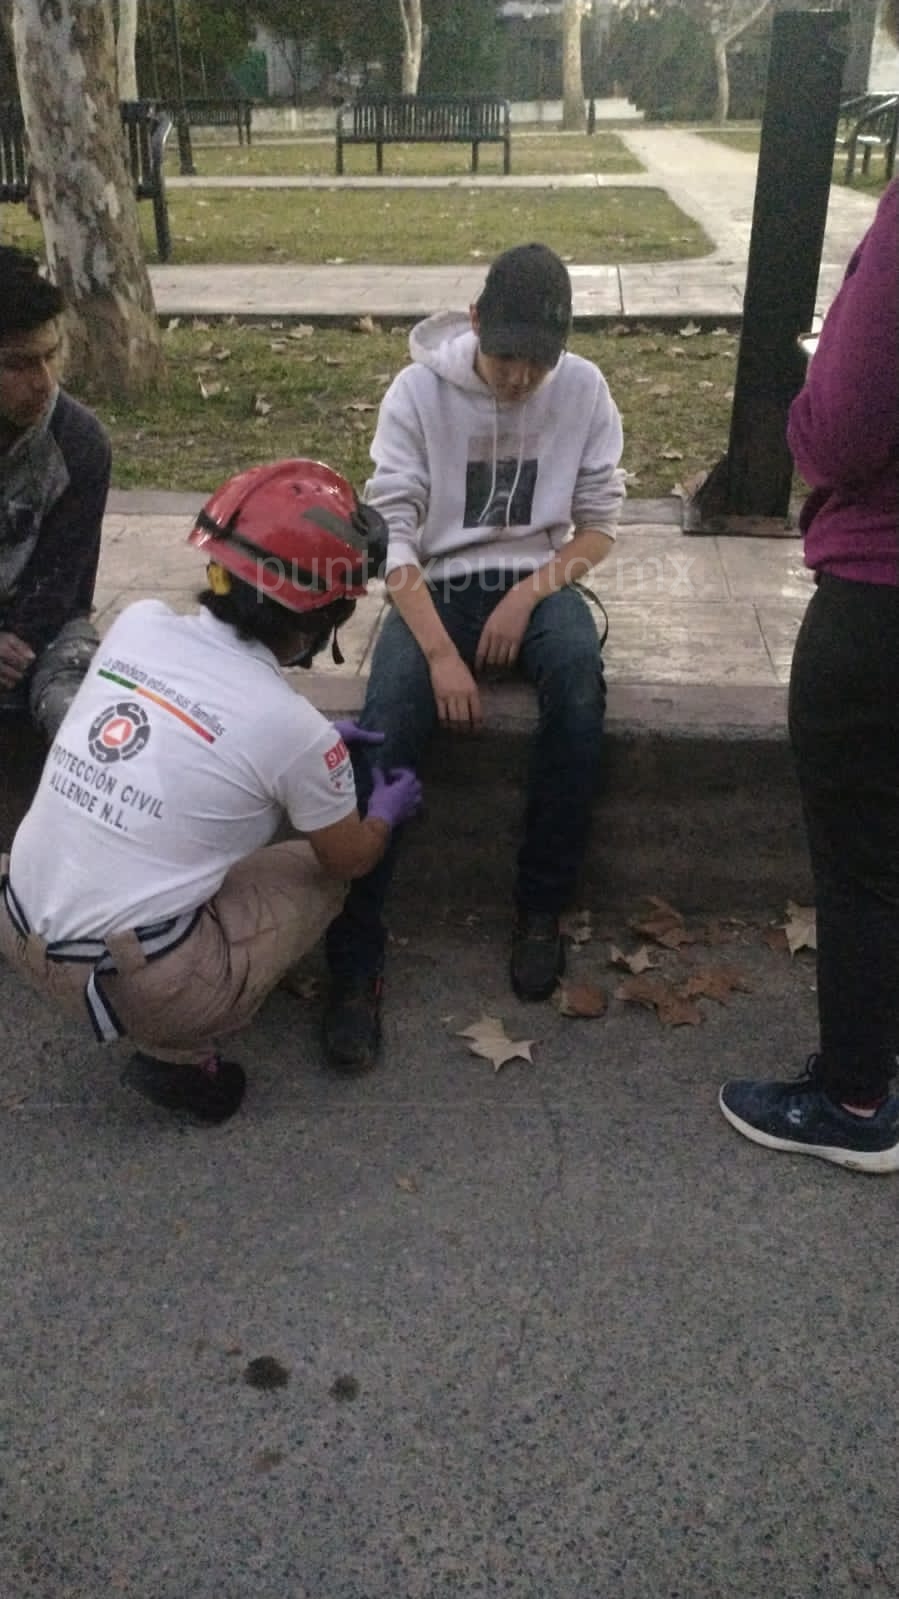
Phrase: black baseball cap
x=525 y=305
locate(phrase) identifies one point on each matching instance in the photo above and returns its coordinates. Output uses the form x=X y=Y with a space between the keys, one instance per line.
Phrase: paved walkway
x=709 y=181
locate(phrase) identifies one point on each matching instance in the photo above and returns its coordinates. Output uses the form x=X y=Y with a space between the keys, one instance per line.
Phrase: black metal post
x=185 y=152
x=802 y=99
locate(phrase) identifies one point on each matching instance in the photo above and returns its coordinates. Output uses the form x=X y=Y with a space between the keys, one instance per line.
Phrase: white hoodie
x=468 y=483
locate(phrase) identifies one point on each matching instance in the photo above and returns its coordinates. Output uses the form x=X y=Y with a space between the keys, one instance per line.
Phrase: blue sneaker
x=798 y=1116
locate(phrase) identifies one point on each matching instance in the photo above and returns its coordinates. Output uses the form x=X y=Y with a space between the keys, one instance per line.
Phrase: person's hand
x=456 y=692
x=352 y=733
x=15 y=658
x=504 y=629
x=395 y=795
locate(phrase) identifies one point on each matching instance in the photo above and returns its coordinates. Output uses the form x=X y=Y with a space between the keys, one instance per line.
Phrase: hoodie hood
x=447 y=344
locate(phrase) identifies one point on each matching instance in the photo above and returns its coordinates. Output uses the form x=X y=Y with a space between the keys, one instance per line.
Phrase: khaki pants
x=270 y=910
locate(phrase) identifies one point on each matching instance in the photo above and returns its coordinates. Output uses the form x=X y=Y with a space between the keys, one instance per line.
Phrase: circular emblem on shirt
x=119 y=732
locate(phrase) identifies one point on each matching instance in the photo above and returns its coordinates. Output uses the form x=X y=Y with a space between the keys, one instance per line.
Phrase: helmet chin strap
x=307 y=654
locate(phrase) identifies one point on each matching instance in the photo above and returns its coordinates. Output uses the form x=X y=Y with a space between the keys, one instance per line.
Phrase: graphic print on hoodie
x=500 y=480
x=470 y=483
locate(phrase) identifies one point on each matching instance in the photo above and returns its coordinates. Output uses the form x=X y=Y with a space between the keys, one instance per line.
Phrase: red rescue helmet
x=295 y=531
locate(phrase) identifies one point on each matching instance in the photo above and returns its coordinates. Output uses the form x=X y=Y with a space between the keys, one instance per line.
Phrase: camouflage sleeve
x=58 y=583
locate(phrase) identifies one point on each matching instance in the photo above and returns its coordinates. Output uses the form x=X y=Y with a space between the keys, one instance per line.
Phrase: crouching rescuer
x=142 y=890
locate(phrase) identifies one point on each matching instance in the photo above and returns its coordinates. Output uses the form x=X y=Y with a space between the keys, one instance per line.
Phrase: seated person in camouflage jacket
x=54 y=478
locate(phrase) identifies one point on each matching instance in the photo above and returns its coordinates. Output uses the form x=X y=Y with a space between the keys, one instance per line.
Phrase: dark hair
x=266 y=622
x=27 y=300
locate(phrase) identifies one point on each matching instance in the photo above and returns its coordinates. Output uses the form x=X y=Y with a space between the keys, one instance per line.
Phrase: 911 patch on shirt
x=339 y=768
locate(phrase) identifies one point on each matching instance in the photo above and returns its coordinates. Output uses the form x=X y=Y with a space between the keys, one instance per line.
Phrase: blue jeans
x=560 y=655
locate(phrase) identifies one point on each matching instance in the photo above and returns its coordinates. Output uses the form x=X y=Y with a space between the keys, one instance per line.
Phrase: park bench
x=222 y=113
x=868 y=122
x=146 y=128
x=425 y=119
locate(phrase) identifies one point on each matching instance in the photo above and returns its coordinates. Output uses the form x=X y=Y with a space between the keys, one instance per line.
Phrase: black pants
x=844 y=728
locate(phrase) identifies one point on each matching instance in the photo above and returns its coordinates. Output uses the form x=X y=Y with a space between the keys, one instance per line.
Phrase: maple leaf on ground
x=580 y=999
x=673 y=1008
x=800 y=928
x=664 y=925
x=487 y=1037
x=715 y=982
x=576 y=926
x=639 y=961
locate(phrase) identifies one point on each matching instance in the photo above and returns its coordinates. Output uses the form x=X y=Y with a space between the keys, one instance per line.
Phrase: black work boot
x=352 y=1023
x=210 y=1093
x=538 y=955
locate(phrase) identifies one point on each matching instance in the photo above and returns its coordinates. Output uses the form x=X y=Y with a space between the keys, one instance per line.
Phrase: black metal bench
x=146 y=128
x=236 y=113
x=425 y=119
x=869 y=122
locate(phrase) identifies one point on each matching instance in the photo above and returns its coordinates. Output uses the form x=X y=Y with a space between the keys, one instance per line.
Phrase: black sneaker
x=538 y=955
x=799 y=1116
x=352 y=1024
x=210 y=1093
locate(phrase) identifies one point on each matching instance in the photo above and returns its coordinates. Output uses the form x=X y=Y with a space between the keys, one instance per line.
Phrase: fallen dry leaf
x=365 y=324
x=580 y=999
x=488 y=1038
x=303 y=330
x=715 y=982
x=671 y=454
x=656 y=993
x=639 y=961
x=576 y=926
x=208 y=391
x=406 y=1183
x=360 y=405
x=261 y=405
x=664 y=925
x=222 y=355
x=689 y=330
x=800 y=928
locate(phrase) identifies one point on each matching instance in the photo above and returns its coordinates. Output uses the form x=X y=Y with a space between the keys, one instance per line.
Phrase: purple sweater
x=844 y=426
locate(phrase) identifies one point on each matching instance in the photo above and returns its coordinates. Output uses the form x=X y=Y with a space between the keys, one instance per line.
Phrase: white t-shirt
x=181 y=753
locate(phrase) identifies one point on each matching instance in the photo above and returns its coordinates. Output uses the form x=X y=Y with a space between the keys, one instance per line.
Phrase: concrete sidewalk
x=713 y=184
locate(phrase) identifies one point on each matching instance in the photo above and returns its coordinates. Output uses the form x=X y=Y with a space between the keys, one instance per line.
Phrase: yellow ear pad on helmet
x=218 y=579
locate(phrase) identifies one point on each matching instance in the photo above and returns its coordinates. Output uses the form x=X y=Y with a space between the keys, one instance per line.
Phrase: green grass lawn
x=409 y=227
x=273 y=391
x=315 y=157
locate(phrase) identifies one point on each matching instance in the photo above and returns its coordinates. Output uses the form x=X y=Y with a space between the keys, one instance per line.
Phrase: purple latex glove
x=395 y=795
x=352 y=733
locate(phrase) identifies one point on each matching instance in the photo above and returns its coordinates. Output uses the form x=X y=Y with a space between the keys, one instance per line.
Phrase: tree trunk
x=573 y=120
x=67 y=81
x=722 y=79
x=126 y=47
x=410 y=11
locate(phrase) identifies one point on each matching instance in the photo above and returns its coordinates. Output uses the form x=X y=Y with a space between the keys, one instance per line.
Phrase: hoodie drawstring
x=518 y=465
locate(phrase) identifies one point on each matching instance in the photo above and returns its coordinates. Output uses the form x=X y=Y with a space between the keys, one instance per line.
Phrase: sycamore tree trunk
x=410 y=11
x=722 y=78
x=126 y=49
x=573 y=119
x=65 y=51
x=727 y=29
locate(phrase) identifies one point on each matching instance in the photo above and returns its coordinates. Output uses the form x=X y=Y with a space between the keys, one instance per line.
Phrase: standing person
x=54 y=479
x=844 y=724
x=496 y=468
x=142 y=889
